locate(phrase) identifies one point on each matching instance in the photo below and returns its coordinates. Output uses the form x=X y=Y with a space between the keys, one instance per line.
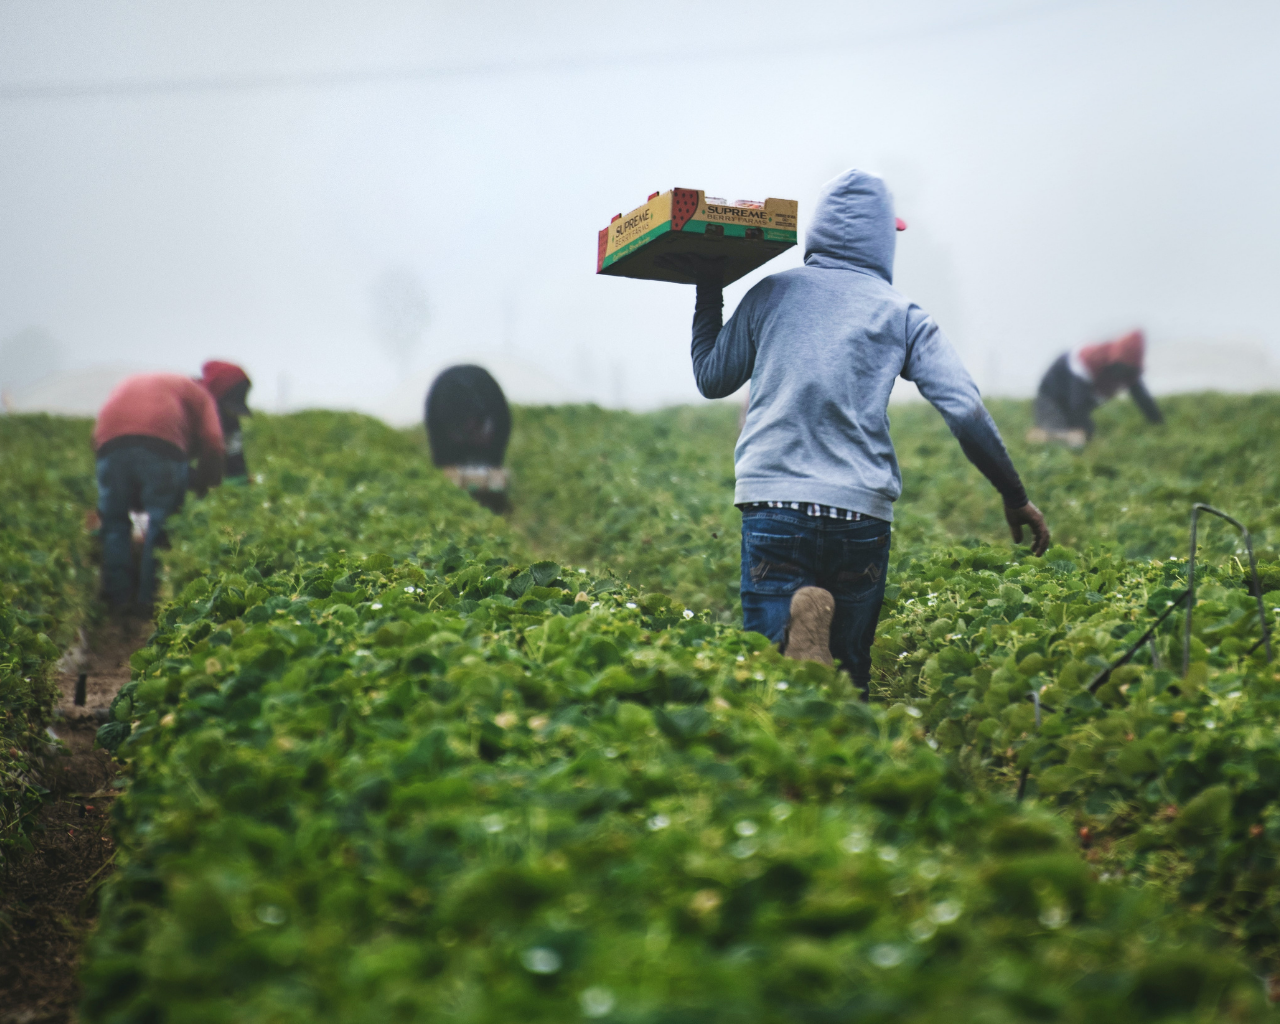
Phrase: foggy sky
x=242 y=179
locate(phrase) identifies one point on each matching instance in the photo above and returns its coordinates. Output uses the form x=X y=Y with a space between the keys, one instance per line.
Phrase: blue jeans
x=784 y=550
x=135 y=479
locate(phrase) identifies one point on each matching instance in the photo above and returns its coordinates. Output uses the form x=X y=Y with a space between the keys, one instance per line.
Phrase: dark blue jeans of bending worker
x=135 y=479
x=785 y=549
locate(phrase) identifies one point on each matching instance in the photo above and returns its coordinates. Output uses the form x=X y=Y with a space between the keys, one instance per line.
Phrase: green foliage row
x=47 y=582
x=326 y=485
x=651 y=496
x=647 y=496
x=1129 y=491
x=366 y=787
x=967 y=631
x=1173 y=779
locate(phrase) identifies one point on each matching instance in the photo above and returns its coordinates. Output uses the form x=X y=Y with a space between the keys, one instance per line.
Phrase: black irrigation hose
x=1125 y=658
x=1196 y=509
x=1105 y=674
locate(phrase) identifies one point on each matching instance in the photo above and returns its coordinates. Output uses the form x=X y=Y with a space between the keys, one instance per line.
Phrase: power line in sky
x=280 y=82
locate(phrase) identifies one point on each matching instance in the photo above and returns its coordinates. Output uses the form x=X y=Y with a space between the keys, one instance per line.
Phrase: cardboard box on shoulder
x=685 y=220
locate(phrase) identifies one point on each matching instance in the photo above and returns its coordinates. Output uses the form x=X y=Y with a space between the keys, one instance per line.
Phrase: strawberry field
x=46 y=584
x=389 y=757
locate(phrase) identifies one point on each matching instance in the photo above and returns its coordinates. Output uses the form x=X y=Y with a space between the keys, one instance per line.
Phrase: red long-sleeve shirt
x=166 y=406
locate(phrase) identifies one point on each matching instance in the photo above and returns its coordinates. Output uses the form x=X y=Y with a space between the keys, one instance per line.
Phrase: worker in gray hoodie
x=816 y=471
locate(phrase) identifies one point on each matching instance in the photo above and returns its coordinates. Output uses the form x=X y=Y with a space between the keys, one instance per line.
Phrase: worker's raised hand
x=693 y=267
x=1029 y=515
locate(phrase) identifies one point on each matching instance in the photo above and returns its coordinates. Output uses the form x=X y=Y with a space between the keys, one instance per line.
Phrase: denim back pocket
x=771 y=559
x=857 y=564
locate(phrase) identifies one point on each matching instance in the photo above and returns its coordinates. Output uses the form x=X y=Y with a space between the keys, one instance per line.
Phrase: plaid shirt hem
x=809 y=509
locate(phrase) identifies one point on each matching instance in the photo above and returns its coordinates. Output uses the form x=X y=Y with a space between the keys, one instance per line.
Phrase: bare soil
x=48 y=897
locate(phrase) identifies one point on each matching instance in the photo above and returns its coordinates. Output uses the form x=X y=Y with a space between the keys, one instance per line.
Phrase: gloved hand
x=1029 y=515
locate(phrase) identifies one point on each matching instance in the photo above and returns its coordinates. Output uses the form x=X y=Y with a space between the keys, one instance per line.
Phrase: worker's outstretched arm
x=208 y=446
x=210 y=465
x=1142 y=398
x=935 y=368
x=723 y=356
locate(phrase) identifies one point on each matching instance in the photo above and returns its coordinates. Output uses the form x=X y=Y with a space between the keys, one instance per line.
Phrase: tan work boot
x=809 y=634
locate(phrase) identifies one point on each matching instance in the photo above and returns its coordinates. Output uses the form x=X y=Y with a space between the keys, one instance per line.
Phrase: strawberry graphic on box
x=745 y=234
x=684 y=204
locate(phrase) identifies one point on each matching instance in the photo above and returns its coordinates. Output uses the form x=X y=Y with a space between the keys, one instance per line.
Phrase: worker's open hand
x=694 y=268
x=1029 y=515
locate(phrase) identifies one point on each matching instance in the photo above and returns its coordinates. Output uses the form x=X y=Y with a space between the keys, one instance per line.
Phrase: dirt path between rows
x=48 y=897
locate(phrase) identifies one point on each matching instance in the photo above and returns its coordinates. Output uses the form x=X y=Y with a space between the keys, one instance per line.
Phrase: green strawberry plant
x=952 y=617
x=325 y=483
x=383 y=768
x=1130 y=491
x=1171 y=780
x=382 y=765
x=47 y=581
x=479 y=796
x=649 y=497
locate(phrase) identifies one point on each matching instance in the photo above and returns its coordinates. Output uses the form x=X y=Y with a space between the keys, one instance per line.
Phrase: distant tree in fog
x=400 y=314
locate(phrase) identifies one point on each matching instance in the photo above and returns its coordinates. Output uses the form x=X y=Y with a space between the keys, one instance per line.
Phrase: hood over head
x=853 y=226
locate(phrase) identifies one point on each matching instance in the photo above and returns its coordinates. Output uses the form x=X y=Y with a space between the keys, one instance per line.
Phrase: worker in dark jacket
x=229 y=385
x=468 y=427
x=1081 y=380
x=147 y=433
x=817 y=477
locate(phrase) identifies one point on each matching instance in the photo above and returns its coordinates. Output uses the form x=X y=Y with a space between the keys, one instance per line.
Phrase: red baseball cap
x=1129 y=349
x=220 y=379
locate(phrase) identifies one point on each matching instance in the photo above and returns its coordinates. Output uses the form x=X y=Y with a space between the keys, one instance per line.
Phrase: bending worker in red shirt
x=149 y=430
x=1080 y=381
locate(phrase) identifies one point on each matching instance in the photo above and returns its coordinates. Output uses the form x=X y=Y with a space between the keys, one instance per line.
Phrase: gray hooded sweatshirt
x=821 y=346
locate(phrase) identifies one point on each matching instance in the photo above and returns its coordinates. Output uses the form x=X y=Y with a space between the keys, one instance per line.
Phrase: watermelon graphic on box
x=746 y=234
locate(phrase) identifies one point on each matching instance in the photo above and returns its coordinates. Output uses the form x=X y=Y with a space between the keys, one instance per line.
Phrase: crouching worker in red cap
x=1080 y=381
x=230 y=386
x=147 y=433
